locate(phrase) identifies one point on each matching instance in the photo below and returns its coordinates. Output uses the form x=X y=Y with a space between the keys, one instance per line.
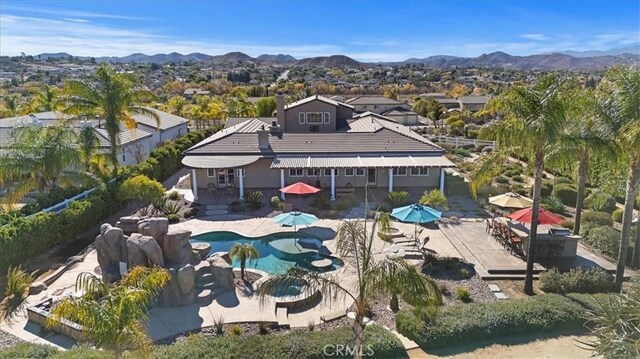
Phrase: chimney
x=280 y=110
x=263 y=138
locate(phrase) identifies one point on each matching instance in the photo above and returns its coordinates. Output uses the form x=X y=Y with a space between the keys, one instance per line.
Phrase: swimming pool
x=278 y=251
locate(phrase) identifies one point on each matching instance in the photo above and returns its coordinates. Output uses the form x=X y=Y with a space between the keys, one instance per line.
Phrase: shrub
x=218 y=324
x=332 y=214
x=173 y=195
x=592 y=219
x=253 y=199
x=568 y=223
x=617 y=215
x=322 y=200
x=263 y=328
x=434 y=198
x=464 y=273
x=343 y=204
x=463 y=294
x=518 y=178
x=477 y=321
x=275 y=202
x=502 y=179
x=173 y=218
x=566 y=194
x=18 y=280
x=397 y=198
x=143 y=188
x=236 y=206
x=553 y=204
x=605 y=239
x=563 y=180
x=577 y=280
x=237 y=330
x=601 y=202
x=511 y=173
x=462 y=152
x=546 y=189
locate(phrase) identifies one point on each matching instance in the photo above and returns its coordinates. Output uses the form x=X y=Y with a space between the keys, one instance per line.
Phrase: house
x=473 y=103
x=319 y=141
x=375 y=104
x=449 y=103
x=190 y=93
x=402 y=115
x=135 y=144
x=435 y=95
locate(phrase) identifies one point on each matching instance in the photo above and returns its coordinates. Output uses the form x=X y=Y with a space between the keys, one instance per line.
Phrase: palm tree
x=374 y=274
x=112 y=98
x=12 y=104
x=40 y=159
x=535 y=119
x=619 y=107
x=113 y=314
x=434 y=198
x=243 y=252
x=45 y=98
x=88 y=144
x=584 y=136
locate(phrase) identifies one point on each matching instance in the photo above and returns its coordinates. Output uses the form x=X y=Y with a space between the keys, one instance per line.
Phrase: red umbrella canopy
x=299 y=188
x=544 y=216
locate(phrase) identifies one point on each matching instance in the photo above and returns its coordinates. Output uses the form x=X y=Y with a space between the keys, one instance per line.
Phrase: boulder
x=143 y=251
x=155 y=227
x=111 y=249
x=224 y=255
x=37 y=287
x=181 y=289
x=202 y=249
x=128 y=224
x=222 y=273
x=177 y=248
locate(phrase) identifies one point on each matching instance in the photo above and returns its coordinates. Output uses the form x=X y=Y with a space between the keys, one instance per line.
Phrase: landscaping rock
x=143 y=250
x=155 y=227
x=202 y=249
x=222 y=272
x=37 y=287
x=223 y=255
x=181 y=289
x=177 y=248
x=111 y=250
x=128 y=224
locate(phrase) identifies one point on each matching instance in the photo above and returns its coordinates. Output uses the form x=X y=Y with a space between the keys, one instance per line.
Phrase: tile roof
x=373 y=100
x=124 y=137
x=447 y=100
x=474 y=99
x=399 y=111
x=167 y=120
x=232 y=121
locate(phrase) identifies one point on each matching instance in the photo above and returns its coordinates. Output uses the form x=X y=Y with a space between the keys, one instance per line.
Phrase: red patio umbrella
x=300 y=188
x=544 y=216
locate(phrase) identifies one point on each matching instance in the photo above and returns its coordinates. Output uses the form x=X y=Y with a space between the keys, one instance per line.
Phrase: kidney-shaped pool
x=278 y=251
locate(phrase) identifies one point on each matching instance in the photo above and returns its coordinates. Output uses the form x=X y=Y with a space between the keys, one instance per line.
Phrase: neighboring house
x=375 y=104
x=136 y=144
x=449 y=103
x=436 y=95
x=473 y=103
x=402 y=115
x=319 y=141
x=190 y=93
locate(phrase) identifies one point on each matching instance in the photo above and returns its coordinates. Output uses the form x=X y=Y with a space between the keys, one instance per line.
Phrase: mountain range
x=548 y=61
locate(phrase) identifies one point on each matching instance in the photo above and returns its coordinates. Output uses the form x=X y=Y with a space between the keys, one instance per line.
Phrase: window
x=364 y=107
x=327 y=172
x=419 y=171
x=400 y=171
x=226 y=176
x=301 y=118
x=375 y=107
x=314 y=118
x=241 y=172
x=348 y=172
x=295 y=172
x=313 y=172
x=211 y=172
x=327 y=117
x=359 y=171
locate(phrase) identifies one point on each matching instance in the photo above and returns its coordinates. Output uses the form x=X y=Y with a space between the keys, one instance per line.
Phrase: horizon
x=415 y=30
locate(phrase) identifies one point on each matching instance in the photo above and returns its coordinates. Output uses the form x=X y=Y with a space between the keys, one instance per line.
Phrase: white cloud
x=68 y=13
x=71 y=19
x=536 y=37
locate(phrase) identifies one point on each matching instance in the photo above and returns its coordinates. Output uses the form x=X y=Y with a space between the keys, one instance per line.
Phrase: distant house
x=135 y=144
x=436 y=95
x=473 y=103
x=449 y=103
x=319 y=141
x=402 y=115
x=375 y=104
x=190 y=93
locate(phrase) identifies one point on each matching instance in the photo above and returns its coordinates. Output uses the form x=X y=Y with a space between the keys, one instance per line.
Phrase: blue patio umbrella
x=416 y=213
x=295 y=218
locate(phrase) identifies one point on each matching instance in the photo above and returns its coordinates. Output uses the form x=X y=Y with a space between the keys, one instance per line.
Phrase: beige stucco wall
x=292 y=122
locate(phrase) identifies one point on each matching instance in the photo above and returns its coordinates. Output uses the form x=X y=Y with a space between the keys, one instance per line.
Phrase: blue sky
x=365 y=30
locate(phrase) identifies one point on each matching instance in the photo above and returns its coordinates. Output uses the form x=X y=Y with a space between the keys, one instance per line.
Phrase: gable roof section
x=167 y=120
x=474 y=99
x=373 y=100
x=232 y=121
x=317 y=98
x=124 y=137
x=398 y=111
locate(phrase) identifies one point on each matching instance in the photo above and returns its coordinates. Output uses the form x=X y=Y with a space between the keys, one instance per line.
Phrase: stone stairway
x=216 y=209
x=206 y=289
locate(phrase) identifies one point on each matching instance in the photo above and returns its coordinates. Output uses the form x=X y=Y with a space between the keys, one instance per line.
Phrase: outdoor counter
x=547 y=244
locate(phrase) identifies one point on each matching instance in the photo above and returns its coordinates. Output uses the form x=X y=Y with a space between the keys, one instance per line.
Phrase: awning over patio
x=359 y=161
x=218 y=161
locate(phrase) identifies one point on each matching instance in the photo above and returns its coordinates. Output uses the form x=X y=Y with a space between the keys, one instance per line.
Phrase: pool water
x=278 y=252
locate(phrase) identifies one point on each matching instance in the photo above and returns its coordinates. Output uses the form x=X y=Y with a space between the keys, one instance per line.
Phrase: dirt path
x=520 y=347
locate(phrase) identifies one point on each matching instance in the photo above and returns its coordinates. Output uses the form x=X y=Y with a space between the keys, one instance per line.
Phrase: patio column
x=194 y=184
x=241 y=182
x=442 y=179
x=282 y=182
x=333 y=184
x=390 y=179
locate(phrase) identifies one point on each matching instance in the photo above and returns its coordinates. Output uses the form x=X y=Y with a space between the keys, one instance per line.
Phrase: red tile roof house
x=321 y=142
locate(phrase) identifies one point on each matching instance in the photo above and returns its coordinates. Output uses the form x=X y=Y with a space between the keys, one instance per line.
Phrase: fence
x=461 y=141
x=57 y=208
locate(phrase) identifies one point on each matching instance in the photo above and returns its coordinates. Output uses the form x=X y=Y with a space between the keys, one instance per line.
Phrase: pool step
x=208 y=295
x=282 y=316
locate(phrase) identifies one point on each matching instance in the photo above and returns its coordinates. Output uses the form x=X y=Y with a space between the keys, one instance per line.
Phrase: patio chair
x=211 y=187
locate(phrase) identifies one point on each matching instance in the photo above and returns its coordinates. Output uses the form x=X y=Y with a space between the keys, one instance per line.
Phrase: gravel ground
x=451 y=274
x=7 y=340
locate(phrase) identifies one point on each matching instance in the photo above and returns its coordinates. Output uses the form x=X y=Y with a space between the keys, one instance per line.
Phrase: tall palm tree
x=373 y=274
x=583 y=136
x=113 y=314
x=535 y=119
x=619 y=107
x=12 y=104
x=45 y=98
x=243 y=252
x=40 y=159
x=113 y=98
x=88 y=145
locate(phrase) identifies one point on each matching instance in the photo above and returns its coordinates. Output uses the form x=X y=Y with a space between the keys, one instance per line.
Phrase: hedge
x=296 y=344
x=23 y=238
x=577 y=280
x=566 y=194
x=476 y=321
x=601 y=202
